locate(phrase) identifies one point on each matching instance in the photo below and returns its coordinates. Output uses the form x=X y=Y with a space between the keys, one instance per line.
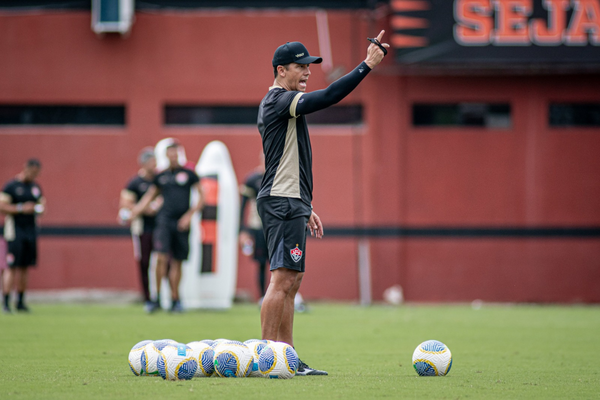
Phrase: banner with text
x=496 y=31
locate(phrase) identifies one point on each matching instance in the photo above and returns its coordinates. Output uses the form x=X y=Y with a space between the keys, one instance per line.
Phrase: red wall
x=384 y=173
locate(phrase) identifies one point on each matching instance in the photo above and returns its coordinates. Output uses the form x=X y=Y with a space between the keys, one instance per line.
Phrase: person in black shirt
x=252 y=237
x=21 y=200
x=143 y=226
x=285 y=198
x=171 y=235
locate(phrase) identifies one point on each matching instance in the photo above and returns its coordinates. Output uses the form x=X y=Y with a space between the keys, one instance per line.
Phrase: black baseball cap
x=294 y=52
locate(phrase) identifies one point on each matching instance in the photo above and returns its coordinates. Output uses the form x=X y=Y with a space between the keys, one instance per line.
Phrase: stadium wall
x=418 y=195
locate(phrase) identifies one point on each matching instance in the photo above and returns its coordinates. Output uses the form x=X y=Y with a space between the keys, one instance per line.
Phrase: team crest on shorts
x=296 y=254
x=10 y=259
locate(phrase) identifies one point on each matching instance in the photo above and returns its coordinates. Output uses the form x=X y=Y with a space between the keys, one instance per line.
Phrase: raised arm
x=335 y=92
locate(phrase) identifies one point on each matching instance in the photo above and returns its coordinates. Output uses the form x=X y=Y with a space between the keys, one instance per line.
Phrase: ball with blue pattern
x=135 y=357
x=150 y=354
x=256 y=346
x=432 y=358
x=176 y=362
x=278 y=360
x=204 y=353
x=232 y=360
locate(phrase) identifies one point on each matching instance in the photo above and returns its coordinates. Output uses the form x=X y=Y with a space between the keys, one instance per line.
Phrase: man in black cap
x=285 y=197
x=21 y=200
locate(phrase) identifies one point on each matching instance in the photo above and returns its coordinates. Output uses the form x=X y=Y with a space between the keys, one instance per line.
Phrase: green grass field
x=504 y=352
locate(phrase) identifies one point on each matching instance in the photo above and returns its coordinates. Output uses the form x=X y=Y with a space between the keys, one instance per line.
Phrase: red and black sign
x=496 y=31
x=208 y=223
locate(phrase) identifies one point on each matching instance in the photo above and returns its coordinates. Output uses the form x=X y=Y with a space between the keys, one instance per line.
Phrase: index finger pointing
x=380 y=35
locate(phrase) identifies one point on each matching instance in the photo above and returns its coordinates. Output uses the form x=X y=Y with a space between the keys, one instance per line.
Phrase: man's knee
x=162 y=258
x=284 y=279
x=298 y=281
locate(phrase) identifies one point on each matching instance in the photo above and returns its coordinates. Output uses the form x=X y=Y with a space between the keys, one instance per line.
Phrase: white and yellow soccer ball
x=432 y=358
x=135 y=357
x=204 y=354
x=150 y=355
x=256 y=346
x=232 y=360
x=278 y=360
x=177 y=362
x=219 y=341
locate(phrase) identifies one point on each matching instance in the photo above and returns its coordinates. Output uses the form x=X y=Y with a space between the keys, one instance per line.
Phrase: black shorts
x=22 y=251
x=170 y=240
x=284 y=223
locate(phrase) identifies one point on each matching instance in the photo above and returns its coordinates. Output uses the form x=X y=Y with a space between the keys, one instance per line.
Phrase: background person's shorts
x=170 y=240
x=22 y=251
x=284 y=223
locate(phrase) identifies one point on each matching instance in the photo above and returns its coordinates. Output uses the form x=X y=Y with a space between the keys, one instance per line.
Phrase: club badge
x=35 y=191
x=10 y=259
x=296 y=254
x=181 y=178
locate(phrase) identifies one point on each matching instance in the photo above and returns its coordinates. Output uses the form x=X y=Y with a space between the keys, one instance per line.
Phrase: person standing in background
x=252 y=237
x=22 y=201
x=143 y=226
x=171 y=235
x=4 y=270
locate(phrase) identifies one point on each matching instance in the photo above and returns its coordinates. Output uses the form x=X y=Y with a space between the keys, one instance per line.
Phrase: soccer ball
x=232 y=360
x=209 y=342
x=150 y=355
x=278 y=360
x=176 y=361
x=205 y=356
x=217 y=342
x=135 y=357
x=256 y=346
x=432 y=358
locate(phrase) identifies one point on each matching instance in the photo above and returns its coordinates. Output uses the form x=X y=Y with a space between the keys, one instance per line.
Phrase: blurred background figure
x=252 y=238
x=171 y=235
x=21 y=200
x=143 y=226
x=3 y=269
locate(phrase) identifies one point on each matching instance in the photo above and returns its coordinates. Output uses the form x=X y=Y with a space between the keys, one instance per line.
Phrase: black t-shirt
x=249 y=191
x=139 y=186
x=286 y=144
x=22 y=192
x=175 y=187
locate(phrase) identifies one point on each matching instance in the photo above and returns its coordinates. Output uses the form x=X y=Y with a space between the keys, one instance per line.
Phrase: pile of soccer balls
x=221 y=357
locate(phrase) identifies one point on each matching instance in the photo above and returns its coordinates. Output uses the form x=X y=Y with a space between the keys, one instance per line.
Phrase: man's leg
x=175 y=278
x=7 y=286
x=21 y=279
x=282 y=282
x=262 y=274
x=286 y=329
x=144 y=262
x=161 y=272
